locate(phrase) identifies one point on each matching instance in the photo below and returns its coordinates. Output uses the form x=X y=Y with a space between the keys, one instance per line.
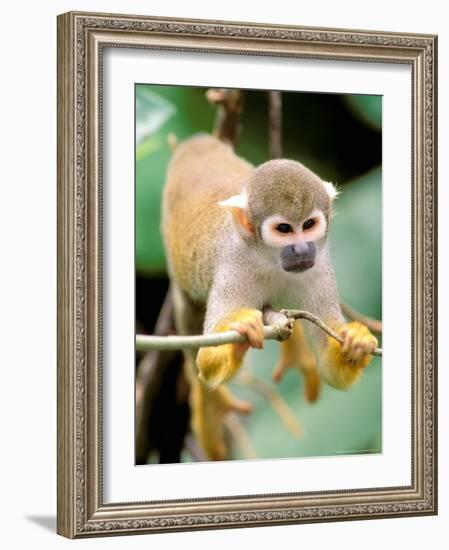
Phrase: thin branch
x=165 y=324
x=300 y=314
x=373 y=324
x=275 y=123
x=227 y=121
x=279 y=331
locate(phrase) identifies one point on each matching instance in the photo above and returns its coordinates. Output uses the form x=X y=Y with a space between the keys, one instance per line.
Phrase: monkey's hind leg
x=208 y=406
x=296 y=354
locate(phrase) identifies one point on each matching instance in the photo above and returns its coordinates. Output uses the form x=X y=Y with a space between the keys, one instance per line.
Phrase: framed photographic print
x=222 y=186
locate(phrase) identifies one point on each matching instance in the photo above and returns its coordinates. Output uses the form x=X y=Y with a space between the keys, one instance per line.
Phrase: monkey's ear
x=331 y=190
x=237 y=206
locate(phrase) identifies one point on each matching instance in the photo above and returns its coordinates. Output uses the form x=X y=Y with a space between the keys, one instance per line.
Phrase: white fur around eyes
x=319 y=229
x=273 y=238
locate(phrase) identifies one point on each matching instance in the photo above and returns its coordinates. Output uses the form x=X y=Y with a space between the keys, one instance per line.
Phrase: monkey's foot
x=296 y=354
x=308 y=369
x=220 y=363
x=345 y=362
x=209 y=409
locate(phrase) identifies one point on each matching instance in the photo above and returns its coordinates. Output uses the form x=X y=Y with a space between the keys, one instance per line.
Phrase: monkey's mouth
x=297 y=266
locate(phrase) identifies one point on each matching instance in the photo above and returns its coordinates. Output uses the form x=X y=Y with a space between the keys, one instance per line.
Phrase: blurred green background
x=337 y=136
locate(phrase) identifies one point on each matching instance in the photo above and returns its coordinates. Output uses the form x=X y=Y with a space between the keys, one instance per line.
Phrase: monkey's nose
x=298 y=257
x=301 y=248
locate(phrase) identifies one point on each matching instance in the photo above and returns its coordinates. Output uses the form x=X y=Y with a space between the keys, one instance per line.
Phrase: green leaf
x=356 y=243
x=152 y=111
x=192 y=114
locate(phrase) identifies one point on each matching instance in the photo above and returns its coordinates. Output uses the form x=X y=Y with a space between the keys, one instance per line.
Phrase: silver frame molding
x=81 y=39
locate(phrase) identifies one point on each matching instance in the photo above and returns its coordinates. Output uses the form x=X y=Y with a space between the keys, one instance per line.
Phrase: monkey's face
x=294 y=244
x=284 y=209
x=290 y=207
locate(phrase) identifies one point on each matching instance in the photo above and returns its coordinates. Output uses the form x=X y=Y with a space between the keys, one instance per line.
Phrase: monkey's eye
x=308 y=224
x=284 y=228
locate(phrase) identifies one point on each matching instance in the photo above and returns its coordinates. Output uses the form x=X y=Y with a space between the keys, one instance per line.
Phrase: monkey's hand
x=344 y=363
x=220 y=363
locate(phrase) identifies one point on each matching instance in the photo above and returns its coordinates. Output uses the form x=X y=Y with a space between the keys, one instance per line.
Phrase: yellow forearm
x=218 y=364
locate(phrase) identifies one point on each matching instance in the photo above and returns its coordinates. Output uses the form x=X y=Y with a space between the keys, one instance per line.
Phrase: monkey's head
x=284 y=209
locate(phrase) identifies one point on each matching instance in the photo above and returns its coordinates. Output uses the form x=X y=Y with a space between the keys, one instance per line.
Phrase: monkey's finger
x=367 y=346
x=254 y=338
x=358 y=352
x=356 y=337
x=347 y=341
x=239 y=327
x=255 y=335
x=252 y=330
x=256 y=332
x=352 y=335
x=361 y=344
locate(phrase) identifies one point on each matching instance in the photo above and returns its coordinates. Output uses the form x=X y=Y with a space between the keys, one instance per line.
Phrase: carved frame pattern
x=81 y=39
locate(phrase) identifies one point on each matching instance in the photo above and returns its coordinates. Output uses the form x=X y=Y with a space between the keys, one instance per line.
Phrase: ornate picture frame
x=82 y=38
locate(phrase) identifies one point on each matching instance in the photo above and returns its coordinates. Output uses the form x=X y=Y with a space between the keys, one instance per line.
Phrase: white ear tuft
x=331 y=190
x=237 y=206
x=236 y=201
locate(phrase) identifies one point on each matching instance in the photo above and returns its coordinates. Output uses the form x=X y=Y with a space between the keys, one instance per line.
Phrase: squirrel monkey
x=239 y=239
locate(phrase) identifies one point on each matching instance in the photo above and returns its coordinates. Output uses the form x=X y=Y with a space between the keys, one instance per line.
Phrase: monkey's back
x=202 y=172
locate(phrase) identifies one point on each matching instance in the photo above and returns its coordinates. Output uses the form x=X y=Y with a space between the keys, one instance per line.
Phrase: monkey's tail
x=172 y=141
